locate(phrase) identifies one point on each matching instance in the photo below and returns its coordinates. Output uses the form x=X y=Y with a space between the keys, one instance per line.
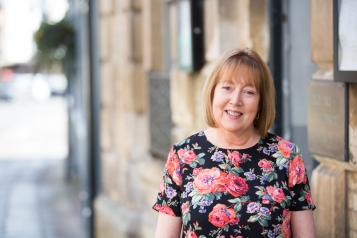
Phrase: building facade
x=151 y=83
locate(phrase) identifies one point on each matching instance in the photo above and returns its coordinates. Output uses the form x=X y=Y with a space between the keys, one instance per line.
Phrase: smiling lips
x=233 y=113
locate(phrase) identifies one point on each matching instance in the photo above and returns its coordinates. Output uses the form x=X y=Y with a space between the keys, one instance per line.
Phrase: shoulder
x=189 y=141
x=282 y=151
x=282 y=145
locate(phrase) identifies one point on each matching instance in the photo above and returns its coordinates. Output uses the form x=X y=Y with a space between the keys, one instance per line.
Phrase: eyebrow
x=247 y=84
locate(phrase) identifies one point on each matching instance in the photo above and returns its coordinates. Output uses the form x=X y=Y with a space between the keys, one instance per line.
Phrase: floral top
x=234 y=192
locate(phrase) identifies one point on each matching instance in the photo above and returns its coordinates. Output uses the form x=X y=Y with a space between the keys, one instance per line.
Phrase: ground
x=35 y=199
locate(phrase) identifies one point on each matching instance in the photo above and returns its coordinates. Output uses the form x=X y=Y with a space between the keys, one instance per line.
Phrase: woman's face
x=235 y=102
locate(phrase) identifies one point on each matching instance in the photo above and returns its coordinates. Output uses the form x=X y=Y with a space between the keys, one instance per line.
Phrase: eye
x=250 y=92
x=226 y=87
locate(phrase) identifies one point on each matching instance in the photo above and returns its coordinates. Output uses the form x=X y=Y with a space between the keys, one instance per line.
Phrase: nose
x=236 y=98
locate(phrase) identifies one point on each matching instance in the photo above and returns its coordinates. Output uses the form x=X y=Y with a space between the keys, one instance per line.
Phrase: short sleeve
x=299 y=186
x=168 y=198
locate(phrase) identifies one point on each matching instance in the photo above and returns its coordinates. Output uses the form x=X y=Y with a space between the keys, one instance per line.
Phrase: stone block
x=173 y=13
x=211 y=28
x=149 y=186
x=148 y=231
x=150 y=182
x=322 y=33
x=328 y=190
x=152 y=44
x=123 y=38
x=119 y=183
x=231 y=15
x=228 y=9
x=353 y=122
x=127 y=37
x=352 y=201
x=131 y=88
x=110 y=166
x=353 y=116
x=353 y=154
x=136 y=86
x=106 y=85
x=259 y=27
x=131 y=147
x=105 y=36
x=123 y=180
x=131 y=130
x=352 y=220
x=352 y=234
x=105 y=130
x=199 y=81
x=352 y=181
x=114 y=220
x=183 y=100
x=128 y=5
x=137 y=47
x=106 y=7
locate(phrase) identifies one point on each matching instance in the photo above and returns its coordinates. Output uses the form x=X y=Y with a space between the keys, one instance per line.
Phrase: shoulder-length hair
x=227 y=67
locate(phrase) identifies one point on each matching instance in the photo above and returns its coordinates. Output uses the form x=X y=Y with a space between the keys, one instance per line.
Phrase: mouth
x=233 y=113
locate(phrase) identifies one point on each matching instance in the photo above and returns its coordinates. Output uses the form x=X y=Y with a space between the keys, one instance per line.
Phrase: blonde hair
x=228 y=66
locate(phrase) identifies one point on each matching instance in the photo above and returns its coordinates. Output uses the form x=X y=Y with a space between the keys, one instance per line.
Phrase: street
x=35 y=200
x=33 y=128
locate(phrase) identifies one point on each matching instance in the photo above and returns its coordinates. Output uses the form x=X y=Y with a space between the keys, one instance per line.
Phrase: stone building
x=151 y=82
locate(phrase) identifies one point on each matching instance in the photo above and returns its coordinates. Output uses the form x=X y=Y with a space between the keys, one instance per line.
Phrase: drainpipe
x=276 y=59
x=94 y=110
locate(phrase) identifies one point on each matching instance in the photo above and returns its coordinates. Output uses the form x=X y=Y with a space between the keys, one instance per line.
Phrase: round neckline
x=236 y=149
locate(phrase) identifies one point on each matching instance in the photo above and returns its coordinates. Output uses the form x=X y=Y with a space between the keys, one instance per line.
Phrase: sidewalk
x=35 y=202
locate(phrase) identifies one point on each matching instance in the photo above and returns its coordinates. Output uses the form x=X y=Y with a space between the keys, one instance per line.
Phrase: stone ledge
x=328 y=191
x=336 y=163
x=114 y=221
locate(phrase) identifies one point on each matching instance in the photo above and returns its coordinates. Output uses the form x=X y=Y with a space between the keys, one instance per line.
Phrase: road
x=35 y=200
x=33 y=129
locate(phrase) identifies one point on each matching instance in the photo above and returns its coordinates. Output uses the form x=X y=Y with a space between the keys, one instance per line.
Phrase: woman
x=235 y=179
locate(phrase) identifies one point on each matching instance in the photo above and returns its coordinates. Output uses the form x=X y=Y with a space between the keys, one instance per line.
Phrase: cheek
x=218 y=104
x=217 y=108
x=216 y=101
x=254 y=105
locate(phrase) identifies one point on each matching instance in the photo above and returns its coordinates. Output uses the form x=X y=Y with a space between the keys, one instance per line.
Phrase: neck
x=228 y=139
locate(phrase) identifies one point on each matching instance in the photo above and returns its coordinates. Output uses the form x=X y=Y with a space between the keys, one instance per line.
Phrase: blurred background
x=37 y=197
x=93 y=93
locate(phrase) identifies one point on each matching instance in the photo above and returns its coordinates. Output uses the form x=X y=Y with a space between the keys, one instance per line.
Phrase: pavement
x=35 y=199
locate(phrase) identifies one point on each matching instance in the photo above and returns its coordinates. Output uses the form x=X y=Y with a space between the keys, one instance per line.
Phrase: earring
x=257 y=117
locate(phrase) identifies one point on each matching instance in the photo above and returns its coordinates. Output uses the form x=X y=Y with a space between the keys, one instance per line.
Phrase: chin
x=230 y=129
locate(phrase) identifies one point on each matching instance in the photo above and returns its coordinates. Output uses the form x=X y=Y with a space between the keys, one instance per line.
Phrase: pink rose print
x=284 y=148
x=296 y=171
x=235 y=157
x=186 y=156
x=191 y=234
x=162 y=187
x=210 y=181
x=173 y=167
x=236 y=185
x=265 y=165
x=308 y=198
x=164 y=209
x=285 y=226
x=196 y=171
x=185 y=208
x=221 y=215
x=266 y=199
x=276 y=194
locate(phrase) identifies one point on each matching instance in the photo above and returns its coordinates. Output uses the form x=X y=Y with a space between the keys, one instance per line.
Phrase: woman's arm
x=168 y=226
x=302 y=224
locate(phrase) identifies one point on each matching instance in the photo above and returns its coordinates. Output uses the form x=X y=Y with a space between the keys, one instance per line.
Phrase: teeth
x=234 y=113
